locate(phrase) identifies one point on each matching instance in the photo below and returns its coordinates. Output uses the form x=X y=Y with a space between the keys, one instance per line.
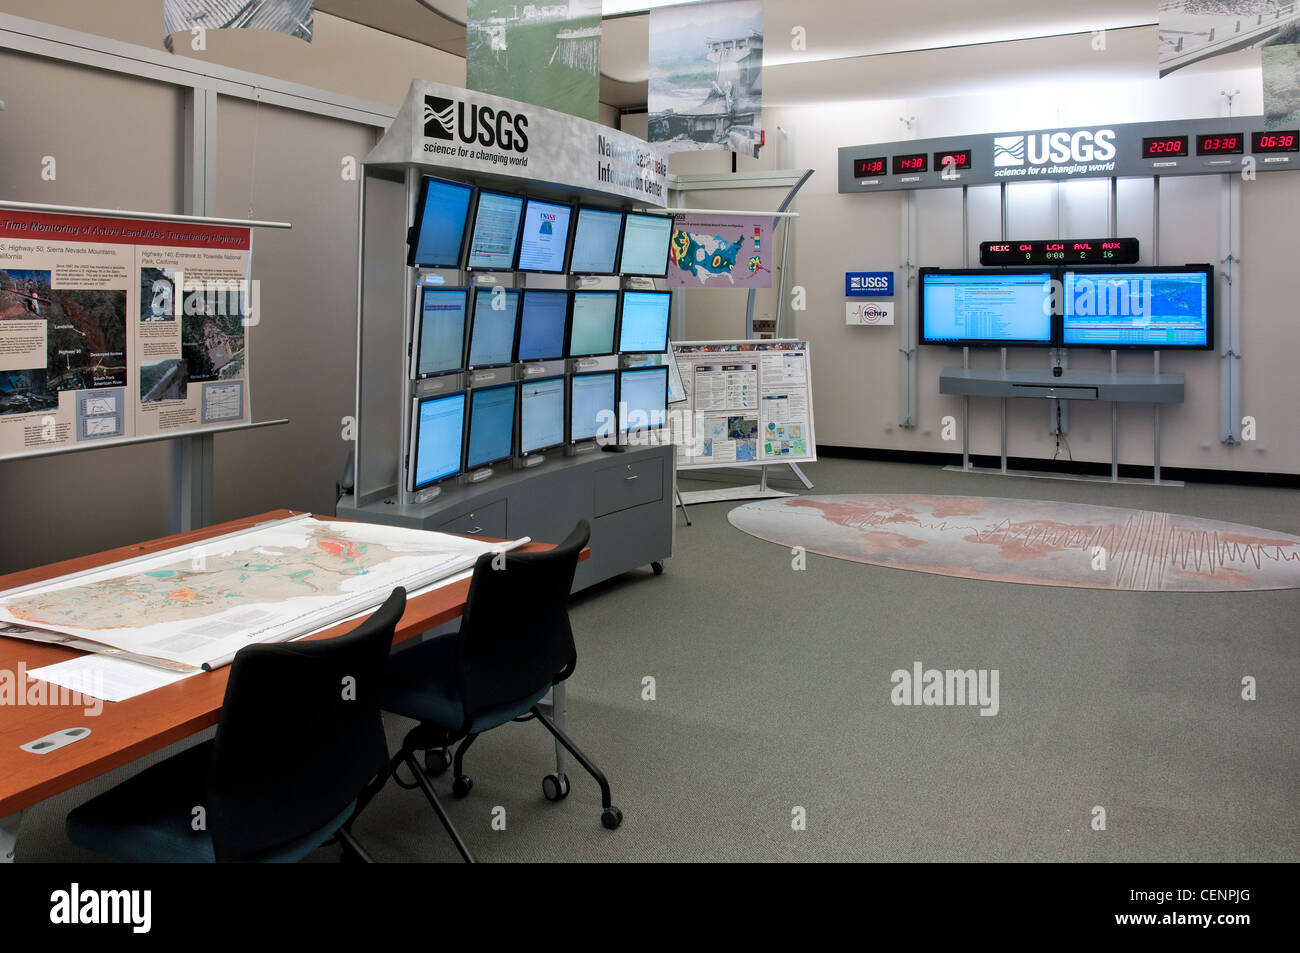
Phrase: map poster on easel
x=747 y=402
x=113 y=328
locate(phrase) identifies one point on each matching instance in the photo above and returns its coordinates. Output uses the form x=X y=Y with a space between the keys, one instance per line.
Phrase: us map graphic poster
x=98 y=344
x=714 y=251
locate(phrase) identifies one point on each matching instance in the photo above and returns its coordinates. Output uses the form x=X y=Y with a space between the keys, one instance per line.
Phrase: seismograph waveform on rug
x=1031 y=541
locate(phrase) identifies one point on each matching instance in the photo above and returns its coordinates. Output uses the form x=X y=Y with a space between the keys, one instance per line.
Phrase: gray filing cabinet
x=626 y=497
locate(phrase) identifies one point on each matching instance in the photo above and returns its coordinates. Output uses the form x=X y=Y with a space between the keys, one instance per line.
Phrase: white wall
x=857 y=369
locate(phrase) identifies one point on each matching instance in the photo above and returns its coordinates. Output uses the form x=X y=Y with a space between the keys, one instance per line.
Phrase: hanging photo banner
x=116 y=328
x=546 y=54
x=720 y=251
x=706 y=76
x=1194 y=30
x=1281 y=63
x=292 y=17
x=476 y=132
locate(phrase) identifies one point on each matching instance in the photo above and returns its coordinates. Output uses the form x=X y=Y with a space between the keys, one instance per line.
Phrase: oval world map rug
x=1037 y=542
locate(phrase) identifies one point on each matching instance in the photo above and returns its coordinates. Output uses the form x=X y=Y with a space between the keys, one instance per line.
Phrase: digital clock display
x=952 y=159
x=904 y=165
x=862 y=168
x=1158 y=147
x=1220 y=144
x=1284 y=140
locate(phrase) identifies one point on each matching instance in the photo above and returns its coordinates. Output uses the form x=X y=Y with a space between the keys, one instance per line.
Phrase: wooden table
x=125 y=731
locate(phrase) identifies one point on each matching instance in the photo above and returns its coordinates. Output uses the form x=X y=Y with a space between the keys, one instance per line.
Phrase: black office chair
x=514 y=643
x=300 y=737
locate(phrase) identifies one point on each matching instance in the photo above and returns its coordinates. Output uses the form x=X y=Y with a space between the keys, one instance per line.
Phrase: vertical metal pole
x=965 y=412
x=9 y=837
x=1155 y=416
x=780 y=295
x=559 y=702
x=1114 y=425
x=762 y=479
x=1155 y=220
x=1003 y=401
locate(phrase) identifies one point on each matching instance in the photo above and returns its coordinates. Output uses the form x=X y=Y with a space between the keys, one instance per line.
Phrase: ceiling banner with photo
x=706 y=76
x=1281 y=61
x=293 y=17
x=546 y=54
x=1194 y=30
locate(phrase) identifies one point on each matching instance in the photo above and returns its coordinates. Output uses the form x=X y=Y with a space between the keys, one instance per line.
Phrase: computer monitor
x=491 y=425
x=642 y=398
x=544 y=239
x=541 y=414
x=645 y=245
x=438 y=345
x=643 y=323
x=542 y=321
x=1165 y=308
x=438 y=236
x=592 y=406
x=437 y=439
x=596 y=240
x=494 y=240
x=492 y=328
x=591 y=323
x=964 y=307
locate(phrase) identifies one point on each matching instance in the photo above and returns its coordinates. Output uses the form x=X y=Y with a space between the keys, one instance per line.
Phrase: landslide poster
x=112 y=328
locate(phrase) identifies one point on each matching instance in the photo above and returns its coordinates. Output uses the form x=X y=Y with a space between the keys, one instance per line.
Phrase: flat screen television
x=494 y=239
x=491 y=431
x=437 y=239
x=596 y=238
x=1159 y=308
x=541 y=414
x=437 y=439
x=438 y=341
x=645 y=245
x=969 y=308
x=492 y=327
x=544 y=237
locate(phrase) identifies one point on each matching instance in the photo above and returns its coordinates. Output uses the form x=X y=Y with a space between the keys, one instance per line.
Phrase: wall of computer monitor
x=1136 y=308
x=528 y=369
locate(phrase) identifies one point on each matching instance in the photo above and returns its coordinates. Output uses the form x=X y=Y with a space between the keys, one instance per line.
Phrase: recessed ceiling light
x=611 y=8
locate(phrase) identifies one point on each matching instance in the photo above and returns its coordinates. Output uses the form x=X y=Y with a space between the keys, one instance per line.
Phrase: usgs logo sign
x=1037 y=149
x=472 y=124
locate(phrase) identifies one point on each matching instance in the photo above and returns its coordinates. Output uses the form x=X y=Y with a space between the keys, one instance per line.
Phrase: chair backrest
x=515 y=636
x=300 y=735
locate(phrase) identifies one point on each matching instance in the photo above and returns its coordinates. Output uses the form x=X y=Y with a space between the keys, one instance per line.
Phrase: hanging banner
x=1194 y=30
x=475 y=132
x=96 y=341
x=1281 y=64
x=706 y=76
x=292 y=17
x=720 y=251
x=546 y=54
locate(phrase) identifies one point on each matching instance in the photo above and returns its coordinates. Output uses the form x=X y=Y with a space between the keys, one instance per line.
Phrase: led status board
x=1055 y=251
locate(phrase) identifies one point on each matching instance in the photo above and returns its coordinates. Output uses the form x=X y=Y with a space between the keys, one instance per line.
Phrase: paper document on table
x=106 y=677
x=267 y=585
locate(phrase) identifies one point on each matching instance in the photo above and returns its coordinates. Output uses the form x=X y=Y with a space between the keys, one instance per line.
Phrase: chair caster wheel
x=436 y=761
x=461 y=786
x=555 y=787
x=611 y=817
x=658 y=571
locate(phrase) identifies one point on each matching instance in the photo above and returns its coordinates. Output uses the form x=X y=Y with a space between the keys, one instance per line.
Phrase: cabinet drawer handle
x=632 y=477
x=476 y=530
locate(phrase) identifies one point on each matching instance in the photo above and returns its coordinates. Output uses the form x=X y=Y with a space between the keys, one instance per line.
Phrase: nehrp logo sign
x=1083 y=145
x=475 y=125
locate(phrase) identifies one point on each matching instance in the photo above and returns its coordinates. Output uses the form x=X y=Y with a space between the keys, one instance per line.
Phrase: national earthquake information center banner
x=96 y=342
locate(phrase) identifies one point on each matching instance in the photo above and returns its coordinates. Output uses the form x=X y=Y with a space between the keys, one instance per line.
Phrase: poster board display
x=746 y=403
x=96 y=342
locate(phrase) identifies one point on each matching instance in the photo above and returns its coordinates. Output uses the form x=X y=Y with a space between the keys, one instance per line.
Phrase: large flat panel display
x=441 y=213
x=492 y=331
x=439 y=341
x=643 y=325
x=541 y=414
x=494 y=240
x=542 y=322
x=491 y=425
x=591 y=327
x=437 y=435
x=1153 y=308
x=643 y=398
x=591 y=405
x=596 y=242
x=544 y=238
x=998 y=309
x=645 y=245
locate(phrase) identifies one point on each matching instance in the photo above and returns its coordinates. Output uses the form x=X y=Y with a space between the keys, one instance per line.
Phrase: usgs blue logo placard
x=868 y=284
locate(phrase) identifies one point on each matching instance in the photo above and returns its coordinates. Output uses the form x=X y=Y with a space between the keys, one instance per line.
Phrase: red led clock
x=1284 y=140
x=1220 y=144
x=906 y=165
x=862 y=168
x=1160 y=147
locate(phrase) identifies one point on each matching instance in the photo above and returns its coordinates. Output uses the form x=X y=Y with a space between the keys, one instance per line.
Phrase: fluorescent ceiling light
x=613 y=8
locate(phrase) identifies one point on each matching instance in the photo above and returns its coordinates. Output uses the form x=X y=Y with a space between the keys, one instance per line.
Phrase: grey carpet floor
x=772 y=693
